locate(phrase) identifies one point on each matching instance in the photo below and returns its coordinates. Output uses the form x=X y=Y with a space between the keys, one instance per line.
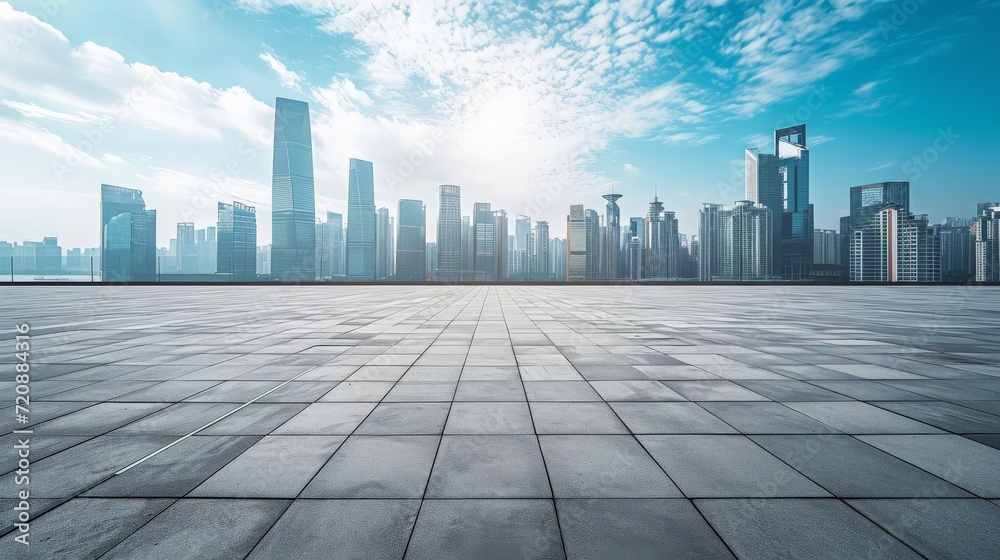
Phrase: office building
x=986 y=234
x=130 y=247
x=483 y=225
x=661 y=243
x=361 y=259
x=595 y=245
x=798 y=216
x=826 y=247
x=293 y=198
x=115 y=201
x=186 y=250
x=384 y=241
x=449 y=233
x=958 y=250
x=895 y=246
x=431 y=256
x=765 y=186
x=542 y=269
x=576 y=244
x=411 y=245
x=521 y=249
x=237 y=241
x=613 y=243
x=558 y=259
x=748 y=256
x=501 y=248
x=330 y=246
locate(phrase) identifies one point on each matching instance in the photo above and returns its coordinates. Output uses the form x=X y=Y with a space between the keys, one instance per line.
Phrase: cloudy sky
x=531 y=106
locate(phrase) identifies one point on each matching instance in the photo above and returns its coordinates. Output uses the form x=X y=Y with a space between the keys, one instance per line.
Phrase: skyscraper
x=866 y=203
x=613 y=244
x=764 y=185
x=449 y=233
x=520 y=264
x=713 y=238
x=383 y=244
x=129 y=244
x=187 y=250
x=986 y=229
x=329 y=246
x=237 y=241
x=797 y=219
x=115 y=201
x=361 y=231
x=895 y=246
x=595 y=242
x=576 y=244
x=432 y=258
x=542 y=271
x=636 y=248
x=485 y=235
x=411 y=246
x=293 y=197
x=958 y=253
x=468 y=266
x=826 y=246
x=748 y=256
x=502 y=245
x=662 y=243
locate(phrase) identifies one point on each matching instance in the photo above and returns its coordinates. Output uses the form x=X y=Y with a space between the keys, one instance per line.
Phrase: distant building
x=895 y=246
x=449 y=233
x=986 y=232
x=187 y=249
x=765 y=186
x=411 y=245
x=486 y=246
x=958 y=250
x=264 y=260
x=576 y=244
x=558 y=259
x=826 y=246
x=468 y=244
x=431 y=259
x=735 y=243
x=613 y=264
x=636 y=248
x=330 y=246
x=384 y=245
x=115 y=201
x=361 y=229
x=542 y=269
x=130 y=247
x=237 y=241
x=661 y=243
x=502 y=248
x=798 y=216
x=293 y=196
x=595 y=245
x=521 y=248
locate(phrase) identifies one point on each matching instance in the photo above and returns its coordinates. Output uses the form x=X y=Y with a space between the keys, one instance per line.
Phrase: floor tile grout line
x=437 y=451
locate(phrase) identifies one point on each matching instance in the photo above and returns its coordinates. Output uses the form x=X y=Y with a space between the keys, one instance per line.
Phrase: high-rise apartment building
x=411 y=245
x=895 y=246
x=293 y=197
x=361 y=230
x=237 y=241
x=826 y=246
x=986 y=232
x=449 y=233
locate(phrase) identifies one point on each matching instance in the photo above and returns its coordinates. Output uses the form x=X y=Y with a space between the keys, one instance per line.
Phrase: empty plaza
x=505 y=421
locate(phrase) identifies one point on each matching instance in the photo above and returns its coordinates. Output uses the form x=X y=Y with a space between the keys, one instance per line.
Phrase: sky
x=531 y=106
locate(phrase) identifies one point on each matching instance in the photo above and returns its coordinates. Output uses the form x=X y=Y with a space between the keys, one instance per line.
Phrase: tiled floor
x=507 y=422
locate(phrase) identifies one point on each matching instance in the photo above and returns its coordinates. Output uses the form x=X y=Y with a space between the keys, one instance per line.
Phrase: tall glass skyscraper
x=764 y=185
x=797 y=220
x=129 y=243
x=486 y=242
x=662 y=243
x=613 y=244
x=384 y=253
x=449 y=233
x=237 y=245
x=293 y=197
x=541 y=270
x=115 y=201
x=187 y=250
x=576 y=244
x=411 y=245
x=520 y=264
x=361 y=231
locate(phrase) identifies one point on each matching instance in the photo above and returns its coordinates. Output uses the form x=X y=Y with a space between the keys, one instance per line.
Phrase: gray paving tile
x=634 y=391
x=603 y=466
x=67 y=473
x=175 y=471
x=848 y=467
x=730 y=466
x=550 y=373
x=636 y=528
x=947 y=416
x=371 y=529
x=256 y=419
x=376 y=467
x=489 y=418
x=965 y=463
x=713 y=391
x=576 y=418
x=327 y=419
x=358 y=391
x=273 y=467
x=560 y=391
x=939 y=528
x=791 y=390
x=766 y=418
x=97 y=419
x=610 y=372
x=488 y=466
x=215 y=528
x=669 y=418
x=462 y=529
x=489 y=391
x=799 y=528
x=861 y=418
x=421 y=392
x=405 y=419
x=177 y=419
x=39 y=447
x=84 y=528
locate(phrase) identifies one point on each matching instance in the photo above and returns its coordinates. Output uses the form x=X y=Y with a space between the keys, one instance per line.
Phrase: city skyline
x=211 y=143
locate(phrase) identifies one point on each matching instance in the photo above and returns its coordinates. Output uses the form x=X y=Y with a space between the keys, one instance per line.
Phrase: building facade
x=449 y=233
x=361 y=260
x=237 y=241
x=293 y=196
x=411 y=241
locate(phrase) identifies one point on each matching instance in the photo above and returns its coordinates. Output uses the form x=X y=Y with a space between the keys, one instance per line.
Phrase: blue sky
x=532 y=108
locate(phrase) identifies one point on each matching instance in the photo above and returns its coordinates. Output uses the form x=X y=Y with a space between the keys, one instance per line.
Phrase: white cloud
x=630 y=169
x=289 y=79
